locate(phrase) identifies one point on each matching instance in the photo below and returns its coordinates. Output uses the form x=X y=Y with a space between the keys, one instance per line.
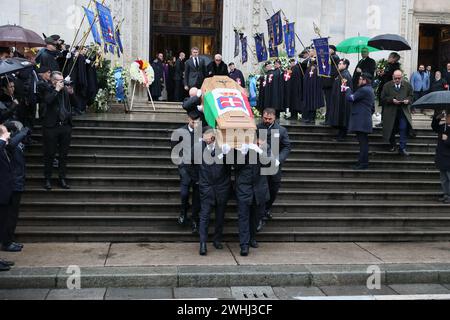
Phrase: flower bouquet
x=142 y=72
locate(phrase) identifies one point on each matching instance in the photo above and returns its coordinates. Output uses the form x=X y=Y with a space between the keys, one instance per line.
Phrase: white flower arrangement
x=101 y=104
x=142 y=72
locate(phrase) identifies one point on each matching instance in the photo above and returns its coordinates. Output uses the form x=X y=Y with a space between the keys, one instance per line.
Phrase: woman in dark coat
x=340 y=109
x=361 y=117
x=443 y=153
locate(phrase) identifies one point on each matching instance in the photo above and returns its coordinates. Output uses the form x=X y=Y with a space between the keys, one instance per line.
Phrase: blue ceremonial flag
x=261 y=49
x=236 y=43
x=273 y=50
x=277 y=27
x=244 y=50
x=106 y=24
x=289 y=39
x=323 y=56
x=112 y=49
x=91 y=18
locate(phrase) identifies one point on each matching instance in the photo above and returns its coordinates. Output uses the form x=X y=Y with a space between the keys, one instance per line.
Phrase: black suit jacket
x=53 y=101
x=6 y=175
x=193 y=77
x=180 y=66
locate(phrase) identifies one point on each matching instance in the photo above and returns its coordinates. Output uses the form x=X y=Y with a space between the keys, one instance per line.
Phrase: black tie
x=196 y=63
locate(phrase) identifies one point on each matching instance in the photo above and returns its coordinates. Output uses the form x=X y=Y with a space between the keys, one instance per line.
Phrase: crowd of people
x=59 y=84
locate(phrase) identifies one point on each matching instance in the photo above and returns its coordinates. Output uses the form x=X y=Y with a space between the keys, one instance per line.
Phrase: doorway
x=434 y=46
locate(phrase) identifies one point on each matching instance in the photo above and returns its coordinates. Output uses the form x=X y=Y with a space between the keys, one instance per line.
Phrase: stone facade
x=338 y=19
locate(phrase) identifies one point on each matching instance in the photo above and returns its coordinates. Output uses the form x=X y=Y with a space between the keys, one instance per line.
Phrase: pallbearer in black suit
x=279 y=147
x=215 y=185
x=186 y=148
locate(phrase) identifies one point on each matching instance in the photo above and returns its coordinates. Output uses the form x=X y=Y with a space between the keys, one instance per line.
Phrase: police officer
x=186 y=145
x=215 y=185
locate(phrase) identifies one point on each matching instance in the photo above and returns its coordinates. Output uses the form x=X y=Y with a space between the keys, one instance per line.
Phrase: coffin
x=227 y=108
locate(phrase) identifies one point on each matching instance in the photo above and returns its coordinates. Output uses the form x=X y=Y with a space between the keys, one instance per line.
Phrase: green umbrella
x=355 y=45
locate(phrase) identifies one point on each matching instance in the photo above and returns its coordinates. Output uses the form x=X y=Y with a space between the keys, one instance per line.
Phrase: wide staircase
x=126 y=189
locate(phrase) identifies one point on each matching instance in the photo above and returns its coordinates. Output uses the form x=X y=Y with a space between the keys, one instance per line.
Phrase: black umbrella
x=13 y=65
x=439 y=100
x=392 y=42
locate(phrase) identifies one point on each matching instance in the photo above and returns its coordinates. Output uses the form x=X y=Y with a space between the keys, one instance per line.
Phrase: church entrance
x=434 y=46
x=179 y=25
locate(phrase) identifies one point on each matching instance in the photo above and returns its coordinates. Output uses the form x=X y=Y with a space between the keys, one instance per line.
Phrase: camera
x=68 y=83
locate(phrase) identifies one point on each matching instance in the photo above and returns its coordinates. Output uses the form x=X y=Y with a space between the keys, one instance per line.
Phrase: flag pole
x=317 y=31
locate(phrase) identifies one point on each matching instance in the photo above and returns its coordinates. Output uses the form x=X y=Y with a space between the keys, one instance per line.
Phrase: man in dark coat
x=236 y=75
x=361 y=117
x=265 y=89
x=179 y=77
x=340 y=108
x=252 y=193
x=274 y=94
x=446 y=74
x=57 y=129
x=187 y=148
x=443 y=152
x=48 y=57
x=279 y=147
x=328 y=82
x=195 y=71
x=313 y=97
x=397 y=97
x=217 y=67
x=215 y=187
x=79 y=80
x=193 y=105
x=15 y=149
x=438 y=83
x=365 y=65
x=294 y=90
x=6 y=187
x=157 y=87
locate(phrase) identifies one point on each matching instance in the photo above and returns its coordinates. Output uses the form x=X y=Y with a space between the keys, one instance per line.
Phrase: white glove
x=68 y=56
x=88 y=61
x=244 y=149
x=68 y=79
x=255 y=148
x=73 y=50
x=200 y=108
x=277 y=163
x=199 y=93
x=226 y=149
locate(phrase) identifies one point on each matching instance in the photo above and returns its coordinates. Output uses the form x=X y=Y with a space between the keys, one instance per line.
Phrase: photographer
x=57 y=128
x=15 y=149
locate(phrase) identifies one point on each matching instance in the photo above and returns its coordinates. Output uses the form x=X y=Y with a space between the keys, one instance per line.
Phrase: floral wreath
x=142 y=72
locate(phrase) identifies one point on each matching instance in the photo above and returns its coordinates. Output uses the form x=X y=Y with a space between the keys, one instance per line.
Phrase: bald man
x=217 y=67
x=397 y=97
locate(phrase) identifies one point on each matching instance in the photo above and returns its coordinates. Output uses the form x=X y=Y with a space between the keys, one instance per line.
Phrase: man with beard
x=420 y=82
x=340 y=108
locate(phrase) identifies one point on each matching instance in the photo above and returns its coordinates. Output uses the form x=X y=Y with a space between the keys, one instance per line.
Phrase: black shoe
x=11 y=248
x=379 y=125
x=203 y=249
x=260 y=226
x=254 y=244
x=48 y=185
x=195 y=228
x=413 y=134
x=447 y=201
x=392 y=148
x=245 y=250
x=7 y=263
x=182 y=220
x=218 y=245
x=18 y=244
x=4 y=267
x=443 y=198
x=404 y=153
x=268 y=216
x=63 y=184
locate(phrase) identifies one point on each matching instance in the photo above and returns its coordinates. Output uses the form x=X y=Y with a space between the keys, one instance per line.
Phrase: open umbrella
x=355 y=45
x=392 y=42
x=439 y=100
x=16 y=36
x=13 y=65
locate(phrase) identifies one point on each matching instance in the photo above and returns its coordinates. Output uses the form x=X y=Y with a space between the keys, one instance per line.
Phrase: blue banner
x=289 y=39
x=277 y=27
x=244 y=50
x=119 y=42
x=273 y=50
x=323 y=56
x=261 y=49
x=106 y=24
x=91 y=18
